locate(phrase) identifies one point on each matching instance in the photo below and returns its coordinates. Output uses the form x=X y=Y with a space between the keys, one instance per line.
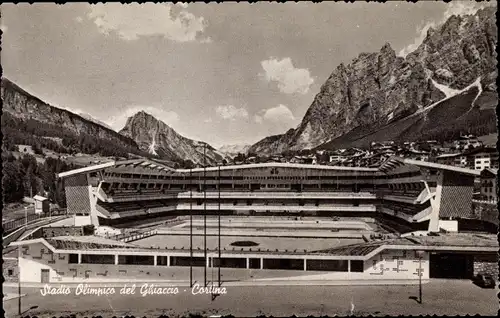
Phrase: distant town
x=466 y=152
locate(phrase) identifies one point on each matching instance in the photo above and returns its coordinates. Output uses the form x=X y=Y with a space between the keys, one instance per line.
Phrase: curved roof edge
x=390 y=164
x=280 y=165
x=394 y=162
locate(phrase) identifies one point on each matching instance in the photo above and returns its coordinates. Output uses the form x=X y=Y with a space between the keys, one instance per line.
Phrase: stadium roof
x=86 y=169
x=395 y=162
x=280 y=165
x=132 y=163
x=146 y=163
x=390 y=164
x=438 y=166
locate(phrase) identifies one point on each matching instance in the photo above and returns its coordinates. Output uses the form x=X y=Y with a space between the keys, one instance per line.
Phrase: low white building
x=42 y=204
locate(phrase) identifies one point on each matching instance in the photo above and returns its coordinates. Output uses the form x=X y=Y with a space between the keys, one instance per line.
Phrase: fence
x=30 y=218
x=133 y=236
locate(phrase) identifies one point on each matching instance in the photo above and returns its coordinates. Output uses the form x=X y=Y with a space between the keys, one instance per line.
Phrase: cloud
x=290 y=79
x=231 y=112
x=79 y=19
x=182 y=4
x=454 y=8
x=131 y=21
x=119 y=121
x=3 y=27
x=280 y=113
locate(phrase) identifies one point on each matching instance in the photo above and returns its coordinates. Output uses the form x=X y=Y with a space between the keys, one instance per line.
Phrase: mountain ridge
x=233 y=150
x=380 y=87
x=28 y=119
x=24 y=106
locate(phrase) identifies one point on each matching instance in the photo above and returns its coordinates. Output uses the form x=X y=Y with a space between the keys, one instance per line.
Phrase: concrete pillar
x=155 y=260
x=261 y=263
x=248 y=262
x=435 y=204
x=207 y=262
x=116 y=259
x=79 y=258
x=168 y=260
x=93 y=209
x=305 y=264
x=348 y=265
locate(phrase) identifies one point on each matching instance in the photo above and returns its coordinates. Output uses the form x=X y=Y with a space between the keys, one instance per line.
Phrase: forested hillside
x=26 y=177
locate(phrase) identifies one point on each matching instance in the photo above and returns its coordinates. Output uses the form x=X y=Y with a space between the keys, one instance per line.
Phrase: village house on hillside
x=467 y=142
x=482 y=158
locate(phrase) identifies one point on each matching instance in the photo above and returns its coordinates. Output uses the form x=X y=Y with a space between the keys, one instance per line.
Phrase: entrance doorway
x=45 y=276
x=451 y=265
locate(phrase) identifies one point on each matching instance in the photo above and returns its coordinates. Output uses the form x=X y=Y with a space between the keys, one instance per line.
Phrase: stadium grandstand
x=405 y=220
x=411 y=195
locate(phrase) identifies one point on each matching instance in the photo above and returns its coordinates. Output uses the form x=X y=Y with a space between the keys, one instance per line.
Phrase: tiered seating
x=121 y=207
x=152 y=204
x=406 y=209
x=128 y=206
x=401 y=193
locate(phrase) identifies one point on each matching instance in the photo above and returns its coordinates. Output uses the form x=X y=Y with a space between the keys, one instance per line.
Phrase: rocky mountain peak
x=156 y=137
x=375 y=88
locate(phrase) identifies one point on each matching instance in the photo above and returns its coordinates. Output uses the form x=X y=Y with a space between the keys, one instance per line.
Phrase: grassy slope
x=453 y=111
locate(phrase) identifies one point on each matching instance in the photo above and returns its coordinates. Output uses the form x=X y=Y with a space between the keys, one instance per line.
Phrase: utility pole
x=19 y=280
x=420 y=254
x=219 y=226
x=420 y=279
x=191 y=228
x=205 y=208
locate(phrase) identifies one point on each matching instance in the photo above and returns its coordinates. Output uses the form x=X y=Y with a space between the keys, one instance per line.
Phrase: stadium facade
x=428 y=205
x=419 y=195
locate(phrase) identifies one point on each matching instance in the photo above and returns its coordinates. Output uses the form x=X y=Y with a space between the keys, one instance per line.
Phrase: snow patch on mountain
x=476 y=83
x=152 y=147
x=446 y=90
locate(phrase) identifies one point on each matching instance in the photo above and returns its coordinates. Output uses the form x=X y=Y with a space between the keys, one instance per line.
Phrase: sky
x=229 y=73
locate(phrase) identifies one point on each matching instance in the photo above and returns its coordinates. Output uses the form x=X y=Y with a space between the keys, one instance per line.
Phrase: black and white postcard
x=237 y=159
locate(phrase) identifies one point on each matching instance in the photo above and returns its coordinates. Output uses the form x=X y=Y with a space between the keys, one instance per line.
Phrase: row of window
x=267 y=263
x=201 y=177
x=407 y=174
x=158 y=186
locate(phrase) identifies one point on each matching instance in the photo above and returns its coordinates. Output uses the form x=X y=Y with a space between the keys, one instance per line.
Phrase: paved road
x=440 y=297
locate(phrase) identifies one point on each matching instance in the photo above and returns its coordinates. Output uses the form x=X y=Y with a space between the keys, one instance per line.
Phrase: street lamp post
x=420 y=254
x=205 y=211
x=19 y=280
x=191 y=228
x=25 y=216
